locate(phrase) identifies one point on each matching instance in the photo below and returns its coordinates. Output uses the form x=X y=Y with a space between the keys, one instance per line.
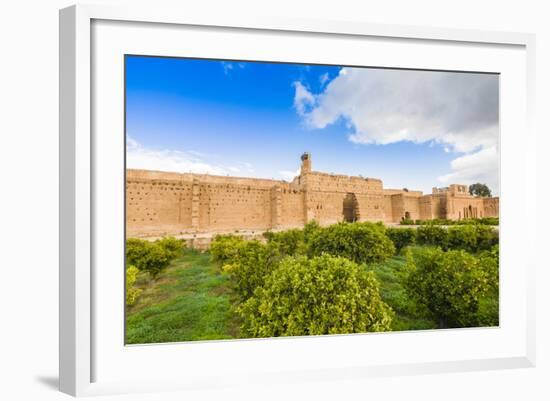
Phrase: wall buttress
x=195 y=203
x=276 y=206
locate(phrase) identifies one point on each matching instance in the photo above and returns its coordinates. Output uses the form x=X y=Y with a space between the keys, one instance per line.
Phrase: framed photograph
x=273 y=200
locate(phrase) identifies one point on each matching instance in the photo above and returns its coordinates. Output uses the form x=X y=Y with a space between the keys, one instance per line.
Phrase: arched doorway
x=350 y=208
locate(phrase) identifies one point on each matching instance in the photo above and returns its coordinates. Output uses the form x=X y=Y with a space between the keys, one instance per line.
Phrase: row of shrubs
x=489 y=221
x=152 y=257
x=450 y=285
x=283 y=292
x=471 y=238
x=311 y=281
x=149 y=257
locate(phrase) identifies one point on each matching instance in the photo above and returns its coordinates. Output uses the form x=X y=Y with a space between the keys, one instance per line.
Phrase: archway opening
x=350 y=208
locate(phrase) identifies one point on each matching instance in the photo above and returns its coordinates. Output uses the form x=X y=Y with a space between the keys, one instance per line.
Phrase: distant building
x=163 y=203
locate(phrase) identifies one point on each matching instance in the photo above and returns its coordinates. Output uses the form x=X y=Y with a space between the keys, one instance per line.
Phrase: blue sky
x=255 y=119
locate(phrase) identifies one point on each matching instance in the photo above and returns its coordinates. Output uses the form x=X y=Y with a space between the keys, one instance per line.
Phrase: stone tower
x=306 y=163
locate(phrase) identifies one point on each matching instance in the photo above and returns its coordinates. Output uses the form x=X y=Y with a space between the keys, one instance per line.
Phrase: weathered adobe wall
x=389 y=191
x=371 y=207
x=229 y=206
x=323 y=182
x=412 y=206
x=388 y=209
x=160 y=203
x=326 y=193
x=157 y=206
x=427 y=207
x=405 y=204
x=464 y=207
x=325 y=207
x=491 y=207
x=291 y=213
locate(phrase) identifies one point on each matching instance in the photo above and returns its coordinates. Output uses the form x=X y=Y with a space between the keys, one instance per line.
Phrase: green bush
x=131 y=292
x=470 y=237
x=310 y=229
x=223 y=248
x=488 y=313
x=487 y=237
x=406 y=222
x=150 y=257
x=462 y=237
x=289 y=242
x=432 y=235
x=155 y=260
x=172 y=246
x=490 y=221
x=358 y=242
x=401 y=237
x=450 y=284
x=323 y=295
x=490 y=263
x=251 y=262
x=135 y=250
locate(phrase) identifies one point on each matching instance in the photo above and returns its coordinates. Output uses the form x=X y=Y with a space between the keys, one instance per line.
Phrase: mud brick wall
x=163 y=203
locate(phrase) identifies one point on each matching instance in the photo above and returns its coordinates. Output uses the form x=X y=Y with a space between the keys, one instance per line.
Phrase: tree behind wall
x=479 y=189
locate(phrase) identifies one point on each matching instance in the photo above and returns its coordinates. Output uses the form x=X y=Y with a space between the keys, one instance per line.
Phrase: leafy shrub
x=310 y=229
x=223 y=248
x=147 y=256
x=136 y=250
x=359 y=242
x=432 y=235
x=131 y=292
x=489 y=221
x=323 y=295
x=251 y=262
x=450 y=284
x=155 y=260
x=487 y=237
x=401 y=237
x=490 y=263
x=470 y=237
x=171 y=245
x=406 y=222
x=462 y=237
x=289 y=242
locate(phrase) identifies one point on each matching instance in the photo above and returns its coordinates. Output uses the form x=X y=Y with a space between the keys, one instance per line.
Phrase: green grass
x=408 y=316
x=190 y=300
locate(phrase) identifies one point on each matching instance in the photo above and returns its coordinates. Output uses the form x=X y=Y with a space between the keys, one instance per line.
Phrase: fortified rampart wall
x=164 y=203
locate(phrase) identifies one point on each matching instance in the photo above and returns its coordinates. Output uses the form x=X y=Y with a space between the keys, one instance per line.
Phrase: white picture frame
x=82 y=344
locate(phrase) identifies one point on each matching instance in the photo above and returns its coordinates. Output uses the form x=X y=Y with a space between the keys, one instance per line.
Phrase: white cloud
x=140 y=157
x=289 y=175
x=302 y=98
x=481 y=166
x=227 y=67
x=381 y=106
x=323 y=79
